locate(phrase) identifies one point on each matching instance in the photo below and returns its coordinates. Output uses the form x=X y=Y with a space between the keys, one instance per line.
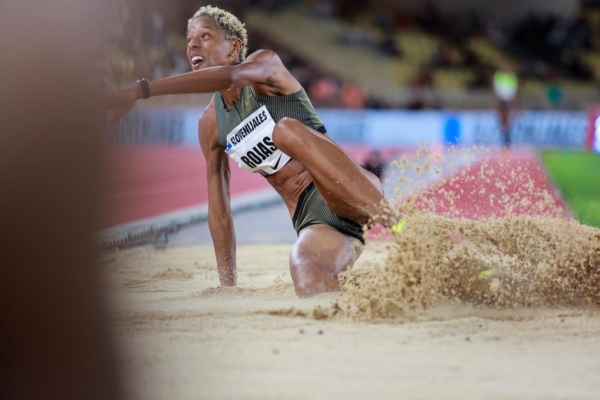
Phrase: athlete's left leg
x=348 y=189
x=318 y=257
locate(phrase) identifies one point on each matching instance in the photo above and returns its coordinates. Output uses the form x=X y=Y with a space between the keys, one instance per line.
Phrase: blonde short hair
x=233 y=27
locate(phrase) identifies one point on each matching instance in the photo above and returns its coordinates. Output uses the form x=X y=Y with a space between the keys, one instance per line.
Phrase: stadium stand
x=375 y=55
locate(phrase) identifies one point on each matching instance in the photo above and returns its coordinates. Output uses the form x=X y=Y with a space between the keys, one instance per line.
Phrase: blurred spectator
x=444 y=56
x=423 y=78
x=271 y=5
x=416 y=103
x=430 y=20
x=506 y=90
x=402 y=19
x=180 y=62
x=350 y=9
x=550 y=40
x=144 y=62
x=481 y=77
x=358 y=36
x=554 y=91
x=323 y=92
x=375 y=104
x=388 y=46
x=423 y=95
x=470 y=59
x=325 y=8
x=157 y=35
x=352 y=96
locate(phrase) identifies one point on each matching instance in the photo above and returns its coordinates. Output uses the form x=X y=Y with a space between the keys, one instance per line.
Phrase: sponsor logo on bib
x=251 y=145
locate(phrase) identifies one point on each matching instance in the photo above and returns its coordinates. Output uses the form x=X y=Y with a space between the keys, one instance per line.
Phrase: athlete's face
x=207 y=45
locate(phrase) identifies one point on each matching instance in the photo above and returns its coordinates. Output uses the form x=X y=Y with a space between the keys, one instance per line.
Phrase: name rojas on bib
x=250 y=144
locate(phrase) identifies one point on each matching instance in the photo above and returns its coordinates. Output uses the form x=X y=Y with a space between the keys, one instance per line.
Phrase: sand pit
x=180 y=339
x=415 y=320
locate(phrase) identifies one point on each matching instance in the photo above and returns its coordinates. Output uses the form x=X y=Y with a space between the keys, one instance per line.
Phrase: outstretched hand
x=120 y=102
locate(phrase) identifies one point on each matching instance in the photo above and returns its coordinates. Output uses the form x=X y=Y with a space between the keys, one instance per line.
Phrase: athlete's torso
x=291 y=178
x=296 y=105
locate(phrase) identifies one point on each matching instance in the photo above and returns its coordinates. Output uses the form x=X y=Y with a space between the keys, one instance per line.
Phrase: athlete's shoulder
x=267 y=56
x=279 y=78
x=208 y=119
x=209 y=112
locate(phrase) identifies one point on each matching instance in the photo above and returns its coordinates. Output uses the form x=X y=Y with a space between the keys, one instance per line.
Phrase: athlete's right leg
x=346 y=187
x=318 y=257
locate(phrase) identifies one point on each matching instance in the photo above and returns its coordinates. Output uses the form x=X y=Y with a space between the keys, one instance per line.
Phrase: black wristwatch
x=145 y=84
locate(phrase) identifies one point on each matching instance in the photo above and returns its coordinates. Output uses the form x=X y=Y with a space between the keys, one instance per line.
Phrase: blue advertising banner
x=377 y=128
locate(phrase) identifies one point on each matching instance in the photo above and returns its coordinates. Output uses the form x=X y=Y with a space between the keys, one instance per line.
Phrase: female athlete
x=261 y=117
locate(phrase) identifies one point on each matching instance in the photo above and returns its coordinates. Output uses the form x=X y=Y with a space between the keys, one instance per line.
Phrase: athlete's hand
x=121 y=101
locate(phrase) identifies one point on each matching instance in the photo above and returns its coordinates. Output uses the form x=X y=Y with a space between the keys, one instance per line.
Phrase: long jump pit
x=490 y=291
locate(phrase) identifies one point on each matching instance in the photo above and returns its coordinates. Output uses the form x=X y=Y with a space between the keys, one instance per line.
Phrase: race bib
x=250 y=144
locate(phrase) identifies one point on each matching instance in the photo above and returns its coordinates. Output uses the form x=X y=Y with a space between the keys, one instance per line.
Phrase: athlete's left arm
x=263 y=67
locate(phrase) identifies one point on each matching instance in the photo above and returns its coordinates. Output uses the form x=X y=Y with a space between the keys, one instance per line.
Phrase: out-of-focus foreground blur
x=54 y=340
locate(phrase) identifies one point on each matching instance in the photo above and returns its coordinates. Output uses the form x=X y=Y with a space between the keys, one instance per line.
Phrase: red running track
x=148 y=181
x=504 y=184
x=145 y=182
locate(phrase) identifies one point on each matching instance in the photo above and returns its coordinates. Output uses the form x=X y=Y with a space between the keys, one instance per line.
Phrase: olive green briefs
x=312 y=209
x=296 y=105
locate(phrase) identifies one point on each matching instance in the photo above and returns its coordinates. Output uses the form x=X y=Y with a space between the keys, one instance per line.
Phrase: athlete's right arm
x=220 y=220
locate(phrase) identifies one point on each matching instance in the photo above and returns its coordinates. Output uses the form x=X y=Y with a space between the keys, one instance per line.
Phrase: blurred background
x=386 y=54
x=384 y=76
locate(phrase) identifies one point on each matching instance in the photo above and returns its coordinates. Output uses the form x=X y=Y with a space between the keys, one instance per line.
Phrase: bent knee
x=286 y=123
x=308 y=282
x=309 y=288
x=304 y=290
x=283 y=136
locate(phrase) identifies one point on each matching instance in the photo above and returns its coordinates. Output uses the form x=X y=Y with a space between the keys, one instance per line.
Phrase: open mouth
x=197 y=60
